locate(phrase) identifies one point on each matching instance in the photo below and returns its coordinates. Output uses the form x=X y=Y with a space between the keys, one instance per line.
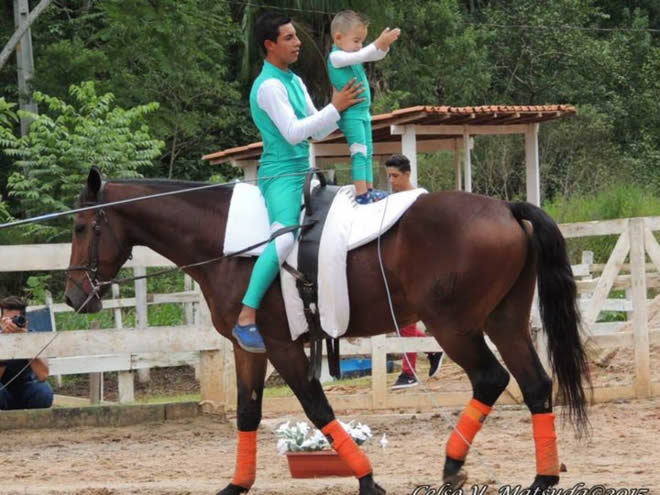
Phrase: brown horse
x=466 y=265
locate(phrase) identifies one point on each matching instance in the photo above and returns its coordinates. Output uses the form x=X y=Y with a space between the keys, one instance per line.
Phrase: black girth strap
x=317 y=205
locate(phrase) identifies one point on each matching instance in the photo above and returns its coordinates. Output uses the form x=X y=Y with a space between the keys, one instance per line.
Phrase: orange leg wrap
x=545 y=441
x=347 y=448
x=246 y=459
x=468 y=426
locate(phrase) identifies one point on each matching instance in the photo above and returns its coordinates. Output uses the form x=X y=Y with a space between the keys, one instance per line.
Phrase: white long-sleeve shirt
x=273 y=99
x=370 y=53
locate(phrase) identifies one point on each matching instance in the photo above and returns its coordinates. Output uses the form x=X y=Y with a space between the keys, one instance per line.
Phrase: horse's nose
x=68 y=300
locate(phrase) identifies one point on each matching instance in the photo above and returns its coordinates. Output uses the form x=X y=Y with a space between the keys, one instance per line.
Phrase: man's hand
x=386 y=38
x=348 y=95
x=9 y=326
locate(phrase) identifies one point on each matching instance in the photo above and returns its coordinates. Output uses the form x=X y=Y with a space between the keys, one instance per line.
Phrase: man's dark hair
x=13 y=302
x=268 y=28
x=399 y=161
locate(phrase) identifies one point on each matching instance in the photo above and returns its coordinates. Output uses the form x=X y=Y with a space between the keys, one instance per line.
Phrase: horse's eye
x=80 y=228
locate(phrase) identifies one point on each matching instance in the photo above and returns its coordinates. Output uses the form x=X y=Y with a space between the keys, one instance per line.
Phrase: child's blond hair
x=345 y=20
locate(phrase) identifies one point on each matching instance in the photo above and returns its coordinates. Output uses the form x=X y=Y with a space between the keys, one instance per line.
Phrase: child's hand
x=386 y=38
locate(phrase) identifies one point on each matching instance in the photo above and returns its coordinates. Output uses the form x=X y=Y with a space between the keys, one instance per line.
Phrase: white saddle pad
x=347 y=227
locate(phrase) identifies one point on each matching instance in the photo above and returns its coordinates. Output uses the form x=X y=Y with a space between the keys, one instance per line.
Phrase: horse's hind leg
x=291 y=362
x=250 y=376
x=508 y=328
x=488 y=378
x=517 y=351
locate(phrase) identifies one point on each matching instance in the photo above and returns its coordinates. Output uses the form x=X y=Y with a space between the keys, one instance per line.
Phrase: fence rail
x=126 y=350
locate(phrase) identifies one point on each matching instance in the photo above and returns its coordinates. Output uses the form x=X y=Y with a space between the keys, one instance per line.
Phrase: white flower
x=283 y=428
x=383 y=441
x=299 y=436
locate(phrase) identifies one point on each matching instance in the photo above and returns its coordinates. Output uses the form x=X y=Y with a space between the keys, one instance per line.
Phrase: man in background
x=23 y=382
x=398 y=173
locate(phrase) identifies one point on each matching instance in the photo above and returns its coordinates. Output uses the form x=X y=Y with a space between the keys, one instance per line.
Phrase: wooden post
x=125 y=385
x=212 y=390
x=49 y=304
x=24 y=62
x=467 y=162
x=95 y=379
x=141 y=312
x=189 y=312
x=640 y=308
x=457 y=165
x=378 y=372
x=409 y=150
x=532 y=164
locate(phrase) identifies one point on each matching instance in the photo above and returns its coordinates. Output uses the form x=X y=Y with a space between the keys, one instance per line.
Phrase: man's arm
x=40 y=368
x=370 y=53
x=274 y=100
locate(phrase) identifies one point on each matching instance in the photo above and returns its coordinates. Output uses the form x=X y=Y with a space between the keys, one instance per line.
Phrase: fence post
x=49 y=304
x=640 y=308
x=141 y=312
x=189 y=311
x=95 y=379
x=379 y=371
x=211 y=363
x=125 y=385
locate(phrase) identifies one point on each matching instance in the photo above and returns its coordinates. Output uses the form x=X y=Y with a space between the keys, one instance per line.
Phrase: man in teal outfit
x=284 y=113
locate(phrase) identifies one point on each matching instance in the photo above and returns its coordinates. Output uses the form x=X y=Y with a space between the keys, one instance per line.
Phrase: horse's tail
x=559 y=312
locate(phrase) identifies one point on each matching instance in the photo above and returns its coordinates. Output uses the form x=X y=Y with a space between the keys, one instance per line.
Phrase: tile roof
x=490 y=115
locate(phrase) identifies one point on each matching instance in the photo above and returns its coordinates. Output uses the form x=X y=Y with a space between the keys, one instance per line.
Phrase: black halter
x=91 y=269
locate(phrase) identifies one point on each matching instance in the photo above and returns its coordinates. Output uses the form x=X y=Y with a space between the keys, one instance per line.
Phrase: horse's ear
x=94 y=181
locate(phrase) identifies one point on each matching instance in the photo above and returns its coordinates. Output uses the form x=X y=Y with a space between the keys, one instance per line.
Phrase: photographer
x=22 y=386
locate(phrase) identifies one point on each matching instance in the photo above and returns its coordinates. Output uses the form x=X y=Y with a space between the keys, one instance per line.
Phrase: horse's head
x=98 y=249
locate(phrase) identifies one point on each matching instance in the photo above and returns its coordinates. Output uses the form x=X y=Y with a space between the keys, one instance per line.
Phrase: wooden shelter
x=423 y=129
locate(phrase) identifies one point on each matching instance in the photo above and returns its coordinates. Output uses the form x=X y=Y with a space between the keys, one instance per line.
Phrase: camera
x=19 y=320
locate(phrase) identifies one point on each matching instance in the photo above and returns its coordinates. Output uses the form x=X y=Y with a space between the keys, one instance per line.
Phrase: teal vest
x=276 y=149
x=340 y=77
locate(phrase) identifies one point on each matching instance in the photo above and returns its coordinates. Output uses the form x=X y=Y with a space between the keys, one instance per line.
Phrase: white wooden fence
x=130 y=349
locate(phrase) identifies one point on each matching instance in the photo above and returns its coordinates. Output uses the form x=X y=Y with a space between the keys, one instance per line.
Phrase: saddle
x=317 y=203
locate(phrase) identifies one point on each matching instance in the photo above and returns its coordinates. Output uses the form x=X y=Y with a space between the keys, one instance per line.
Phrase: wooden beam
x=340 y=150
x=459 y=130
x=126 y=341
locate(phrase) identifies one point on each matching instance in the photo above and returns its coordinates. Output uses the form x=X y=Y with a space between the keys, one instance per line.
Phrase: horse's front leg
x=290 y=360
x=250 y=375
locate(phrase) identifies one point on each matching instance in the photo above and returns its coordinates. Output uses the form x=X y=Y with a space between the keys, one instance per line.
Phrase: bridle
x=91 y=269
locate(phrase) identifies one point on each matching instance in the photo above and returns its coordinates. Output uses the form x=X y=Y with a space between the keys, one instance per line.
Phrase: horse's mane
x=165 y=185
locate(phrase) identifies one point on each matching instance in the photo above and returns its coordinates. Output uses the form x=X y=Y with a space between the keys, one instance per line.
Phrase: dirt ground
x=195 y=457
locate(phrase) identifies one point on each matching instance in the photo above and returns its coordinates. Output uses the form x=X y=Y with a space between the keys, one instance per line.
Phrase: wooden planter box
x=317 y=464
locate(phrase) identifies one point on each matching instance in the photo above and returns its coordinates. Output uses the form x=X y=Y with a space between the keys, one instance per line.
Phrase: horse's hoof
x=543 y=481
x=232 y=489
x=456 y=480
x=369 y=487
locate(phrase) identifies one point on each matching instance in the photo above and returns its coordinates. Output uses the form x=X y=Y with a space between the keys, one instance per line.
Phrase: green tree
x=65 y=140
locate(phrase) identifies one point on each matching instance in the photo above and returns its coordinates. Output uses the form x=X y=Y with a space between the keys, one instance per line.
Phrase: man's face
x=285 y=50
x=400 y=180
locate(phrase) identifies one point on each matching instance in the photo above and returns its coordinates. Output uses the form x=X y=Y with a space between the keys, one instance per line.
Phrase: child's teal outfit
x=355 y=121
x=285 y=116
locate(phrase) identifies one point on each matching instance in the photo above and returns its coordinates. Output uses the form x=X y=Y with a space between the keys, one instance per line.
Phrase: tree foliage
x=197 y=58
x=53 y=160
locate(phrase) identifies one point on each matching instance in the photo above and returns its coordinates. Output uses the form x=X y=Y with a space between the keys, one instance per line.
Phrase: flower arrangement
x=299 y=437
